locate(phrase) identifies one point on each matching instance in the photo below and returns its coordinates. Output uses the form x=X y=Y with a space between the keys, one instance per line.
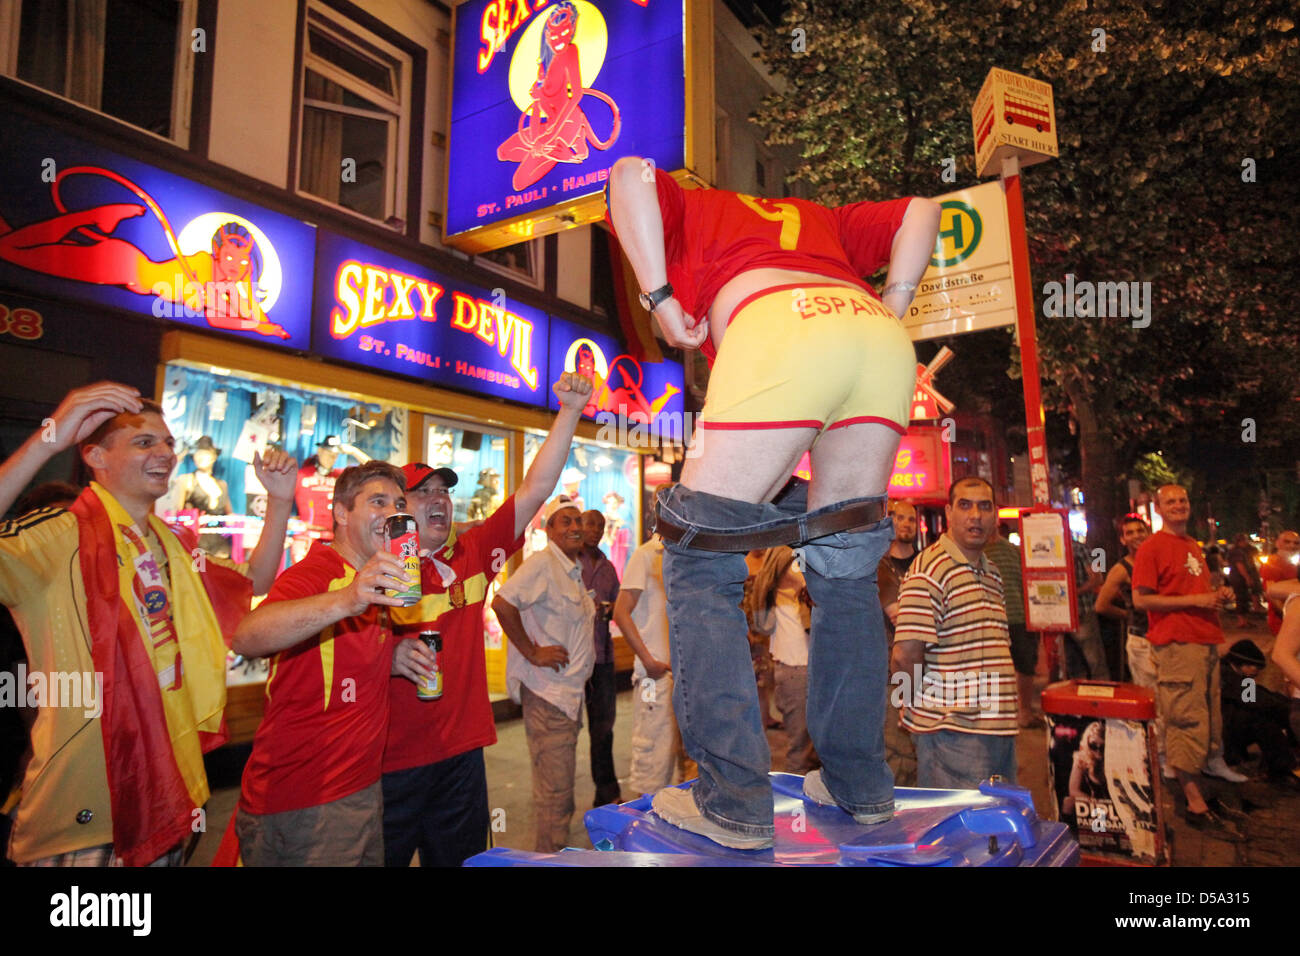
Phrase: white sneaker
x=815 y=790
x=676 y=806
x=1215 y=767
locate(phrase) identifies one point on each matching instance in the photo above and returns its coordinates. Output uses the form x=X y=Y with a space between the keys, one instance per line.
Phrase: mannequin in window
x=201 y=490
x=315 y=494
x=486 y=496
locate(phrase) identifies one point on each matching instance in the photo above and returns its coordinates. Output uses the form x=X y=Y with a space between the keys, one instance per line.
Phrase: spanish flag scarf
x=158 y=644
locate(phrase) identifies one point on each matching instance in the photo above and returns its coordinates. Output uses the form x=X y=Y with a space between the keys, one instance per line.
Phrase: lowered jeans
x=715 y=697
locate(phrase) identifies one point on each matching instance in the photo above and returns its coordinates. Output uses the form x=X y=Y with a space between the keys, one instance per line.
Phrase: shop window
x=597 y=477
x=479 y=460
x=220 y=421
x=354 y=117
x=129 y=59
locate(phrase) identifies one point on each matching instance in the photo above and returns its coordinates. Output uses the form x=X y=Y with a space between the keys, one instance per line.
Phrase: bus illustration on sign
x=552 y=125
x=985 y=127
x=223 y=266
x=1027 y=114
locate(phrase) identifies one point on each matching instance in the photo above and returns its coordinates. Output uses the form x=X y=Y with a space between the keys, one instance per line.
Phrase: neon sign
x=120 y=233
x=546 y=95
x=362 y=291
x=641 y=393
x=495 y=326
x=383 y=312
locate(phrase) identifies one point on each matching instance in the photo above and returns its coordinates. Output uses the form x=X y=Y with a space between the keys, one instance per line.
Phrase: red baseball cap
x=417 y=473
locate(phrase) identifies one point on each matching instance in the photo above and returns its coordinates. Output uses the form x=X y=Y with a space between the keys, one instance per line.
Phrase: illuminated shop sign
x=644 y=396
x=85 y=223
x=921 y=465
x=545 y=97
x=378 y=310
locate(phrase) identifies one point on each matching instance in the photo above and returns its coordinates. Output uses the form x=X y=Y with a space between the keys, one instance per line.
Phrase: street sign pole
x=1026 y=330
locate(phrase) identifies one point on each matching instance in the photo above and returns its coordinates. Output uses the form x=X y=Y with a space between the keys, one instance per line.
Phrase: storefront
x=313 y=341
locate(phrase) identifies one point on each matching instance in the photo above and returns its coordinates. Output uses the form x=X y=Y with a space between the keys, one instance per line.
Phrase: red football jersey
x=712 y=235
x=422 y=732
x=314 y=497
x=1169 y=564
x=322 y=737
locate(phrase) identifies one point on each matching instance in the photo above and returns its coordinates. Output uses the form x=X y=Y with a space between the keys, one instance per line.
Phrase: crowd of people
x=882 y=660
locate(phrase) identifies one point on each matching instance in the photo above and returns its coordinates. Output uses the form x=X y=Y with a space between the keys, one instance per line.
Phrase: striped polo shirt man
x=956 y=608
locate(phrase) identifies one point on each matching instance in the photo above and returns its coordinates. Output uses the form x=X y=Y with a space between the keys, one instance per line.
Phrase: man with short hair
x=902 y=550
x=1171 y=583
x=311 y=794
x=953 y=651
x=105 y=588
x=435 y=783
x=898 y=559
x=1116 y=600
x=601 y=579
x=1280 y=566
x=548 y=617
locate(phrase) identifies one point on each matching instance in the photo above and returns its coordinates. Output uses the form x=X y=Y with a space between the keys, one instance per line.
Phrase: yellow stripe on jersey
x=433 y=606
x=327 y=638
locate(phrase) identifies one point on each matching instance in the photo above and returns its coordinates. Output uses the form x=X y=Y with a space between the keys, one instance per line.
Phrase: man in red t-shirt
x=434 y=783
x=1279 y=566
x=812 y=360
x=311 y=794
x=1171 y=582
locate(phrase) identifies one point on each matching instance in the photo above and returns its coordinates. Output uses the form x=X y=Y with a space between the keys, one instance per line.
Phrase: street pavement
x=1272 y=831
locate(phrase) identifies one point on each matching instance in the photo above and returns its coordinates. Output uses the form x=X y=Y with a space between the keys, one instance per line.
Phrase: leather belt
x=794 y=532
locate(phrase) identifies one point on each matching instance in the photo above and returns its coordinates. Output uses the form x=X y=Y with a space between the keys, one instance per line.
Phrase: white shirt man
x=548 y=616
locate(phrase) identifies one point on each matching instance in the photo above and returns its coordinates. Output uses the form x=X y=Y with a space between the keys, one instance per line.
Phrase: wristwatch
x=651 y=299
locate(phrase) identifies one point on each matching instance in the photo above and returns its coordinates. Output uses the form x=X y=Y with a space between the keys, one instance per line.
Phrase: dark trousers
x=441 y=809
x=1262 y=725
x=602 y=701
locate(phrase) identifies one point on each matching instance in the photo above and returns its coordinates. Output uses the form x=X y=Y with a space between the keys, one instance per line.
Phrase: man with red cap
x=434 y=783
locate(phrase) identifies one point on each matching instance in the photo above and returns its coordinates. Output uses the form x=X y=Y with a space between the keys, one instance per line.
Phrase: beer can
x=430 y=688
x=403 y=542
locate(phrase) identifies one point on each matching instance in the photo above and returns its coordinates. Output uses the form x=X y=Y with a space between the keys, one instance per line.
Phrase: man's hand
x=573 y=390
x=278 y=473
x=383 y=570
x=549 y=655
x=85 y=409
x=657 y=669
x=1224 y=597
x=680 y=328
x=413 y=660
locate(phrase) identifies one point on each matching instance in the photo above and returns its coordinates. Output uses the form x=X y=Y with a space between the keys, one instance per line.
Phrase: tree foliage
x=1155 y=131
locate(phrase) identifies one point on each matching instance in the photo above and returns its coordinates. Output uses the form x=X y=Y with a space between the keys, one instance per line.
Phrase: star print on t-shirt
x=1193 y=566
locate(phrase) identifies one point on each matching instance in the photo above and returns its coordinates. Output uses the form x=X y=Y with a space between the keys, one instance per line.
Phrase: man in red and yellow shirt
x=1171 y=582
x=311 y=794
x=435 y=785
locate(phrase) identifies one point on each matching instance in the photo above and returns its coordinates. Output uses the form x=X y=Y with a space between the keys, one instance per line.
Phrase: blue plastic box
x=994 y=826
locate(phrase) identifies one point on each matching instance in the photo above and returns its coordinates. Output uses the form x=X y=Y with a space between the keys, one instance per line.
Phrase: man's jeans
x=715 y=697
x=951 y=760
